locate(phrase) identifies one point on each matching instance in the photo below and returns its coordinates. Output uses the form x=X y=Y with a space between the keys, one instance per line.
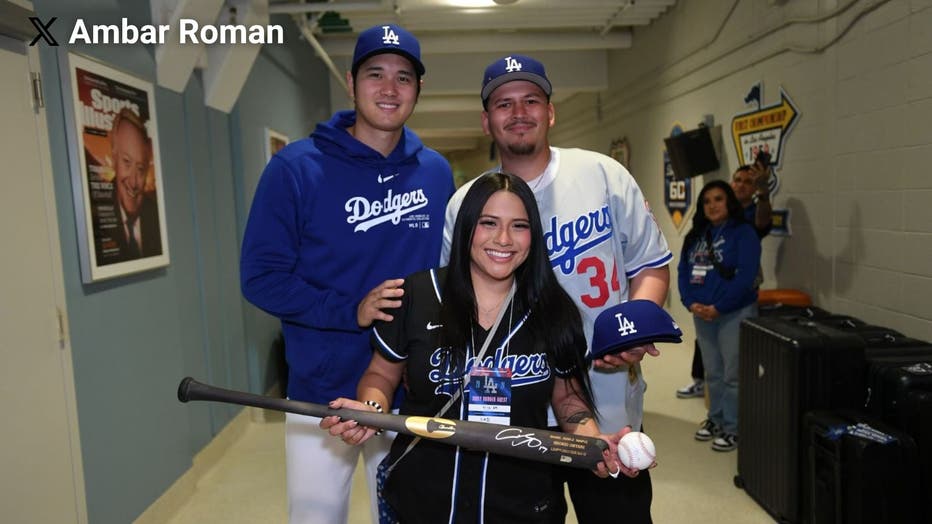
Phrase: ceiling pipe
x=493 y=42
x=302 y=22
x=321 y=7
x=611 y=21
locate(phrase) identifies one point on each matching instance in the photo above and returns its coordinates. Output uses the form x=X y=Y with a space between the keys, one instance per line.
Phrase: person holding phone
x=752 y=188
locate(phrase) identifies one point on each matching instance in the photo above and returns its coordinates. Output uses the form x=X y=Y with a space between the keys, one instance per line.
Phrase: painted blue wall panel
x=133 y=338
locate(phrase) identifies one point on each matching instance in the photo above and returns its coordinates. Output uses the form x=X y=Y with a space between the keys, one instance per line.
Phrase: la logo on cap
x=389 y=37
x=512 y=65
x=625 y=326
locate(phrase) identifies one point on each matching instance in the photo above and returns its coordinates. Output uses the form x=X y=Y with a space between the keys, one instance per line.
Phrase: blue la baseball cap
x=388 y=38
x=514 y=67
x=630 y=324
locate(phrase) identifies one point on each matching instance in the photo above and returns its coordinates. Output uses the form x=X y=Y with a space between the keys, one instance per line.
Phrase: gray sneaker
x=708 y=431
x=696 y=389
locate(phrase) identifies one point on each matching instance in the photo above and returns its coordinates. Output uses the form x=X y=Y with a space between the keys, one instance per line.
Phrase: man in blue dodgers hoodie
x=347 y=210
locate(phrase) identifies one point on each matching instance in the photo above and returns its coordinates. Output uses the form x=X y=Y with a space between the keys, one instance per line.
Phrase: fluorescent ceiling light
x=471 y=3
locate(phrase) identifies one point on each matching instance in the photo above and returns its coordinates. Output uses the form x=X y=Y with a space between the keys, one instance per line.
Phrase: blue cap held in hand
x=388 y=38
x=631 y=324
x=514 y=67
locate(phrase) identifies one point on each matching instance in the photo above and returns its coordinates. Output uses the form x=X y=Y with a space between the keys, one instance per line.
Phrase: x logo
x=43 y=31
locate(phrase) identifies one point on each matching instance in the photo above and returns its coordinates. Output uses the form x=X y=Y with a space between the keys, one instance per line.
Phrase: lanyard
x=458 y=392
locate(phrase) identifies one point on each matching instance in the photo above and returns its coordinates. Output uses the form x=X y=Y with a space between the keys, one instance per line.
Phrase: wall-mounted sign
x=780 y=218
x=764 y=130
x=677 y=195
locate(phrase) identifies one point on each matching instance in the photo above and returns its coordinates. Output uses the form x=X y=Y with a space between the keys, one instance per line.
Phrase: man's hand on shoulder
x=384 y=296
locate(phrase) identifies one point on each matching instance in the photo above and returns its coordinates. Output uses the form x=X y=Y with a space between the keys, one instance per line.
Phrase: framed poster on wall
x=274 y=142
x=116 y=175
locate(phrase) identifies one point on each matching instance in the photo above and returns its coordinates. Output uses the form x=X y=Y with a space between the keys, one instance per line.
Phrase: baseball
x=636 y=450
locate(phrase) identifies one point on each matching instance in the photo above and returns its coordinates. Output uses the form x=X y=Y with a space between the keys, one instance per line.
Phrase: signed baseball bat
x=540 y=445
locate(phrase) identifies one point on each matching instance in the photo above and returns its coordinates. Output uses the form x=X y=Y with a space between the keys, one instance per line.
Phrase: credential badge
x=512 y=65
x=389 y=37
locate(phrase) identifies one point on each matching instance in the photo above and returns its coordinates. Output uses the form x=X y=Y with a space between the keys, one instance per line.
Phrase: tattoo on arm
x=580 y=417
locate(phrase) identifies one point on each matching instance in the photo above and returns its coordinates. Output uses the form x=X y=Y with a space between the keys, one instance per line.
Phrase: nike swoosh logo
x=431 y=327
x=386 y=179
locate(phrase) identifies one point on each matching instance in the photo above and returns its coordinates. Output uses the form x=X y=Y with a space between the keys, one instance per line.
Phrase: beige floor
x=692 y=484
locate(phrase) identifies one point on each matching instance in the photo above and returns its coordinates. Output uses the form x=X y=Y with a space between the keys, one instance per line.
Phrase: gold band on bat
x=430 y=427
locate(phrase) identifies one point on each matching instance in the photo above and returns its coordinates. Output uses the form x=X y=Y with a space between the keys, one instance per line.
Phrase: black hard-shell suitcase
x=917 y=408
x=788 y=366
x=884 y=344
x=845 y=322
x=890 y=379
x=781 y=310
x=889 y=352
x=859 y=470
x=900 y=391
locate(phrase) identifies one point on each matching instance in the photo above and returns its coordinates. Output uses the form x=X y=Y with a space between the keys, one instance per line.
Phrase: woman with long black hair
x=717 y=270
x=492 y=337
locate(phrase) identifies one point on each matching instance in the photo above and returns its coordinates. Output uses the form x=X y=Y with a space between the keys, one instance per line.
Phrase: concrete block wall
x=856 y=171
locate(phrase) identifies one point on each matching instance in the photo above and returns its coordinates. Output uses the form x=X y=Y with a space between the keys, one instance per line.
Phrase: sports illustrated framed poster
x=116 y=175
x=274 y=141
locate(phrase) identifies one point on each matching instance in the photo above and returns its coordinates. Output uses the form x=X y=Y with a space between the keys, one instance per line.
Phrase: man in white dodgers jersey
x=605 y=248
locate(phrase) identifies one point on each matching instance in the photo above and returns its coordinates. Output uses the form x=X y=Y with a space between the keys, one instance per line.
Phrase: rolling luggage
x=788 y=366
x=845 y=322
x=859 y=470
x=783 y=310
x=890 y=379
x=900 y=392
x=917 y=406
x=884 y=344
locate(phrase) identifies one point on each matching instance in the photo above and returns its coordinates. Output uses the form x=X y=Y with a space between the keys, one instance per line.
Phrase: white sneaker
x=708 y=430
x=696 y=389
x=726 y=442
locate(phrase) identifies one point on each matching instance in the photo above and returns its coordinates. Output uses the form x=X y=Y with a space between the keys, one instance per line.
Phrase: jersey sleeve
x=641 y=242
x=390 y=338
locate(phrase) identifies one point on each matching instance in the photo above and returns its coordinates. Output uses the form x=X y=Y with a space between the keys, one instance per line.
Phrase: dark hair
x=744 y=167
x=554 y=323
x=701 y=222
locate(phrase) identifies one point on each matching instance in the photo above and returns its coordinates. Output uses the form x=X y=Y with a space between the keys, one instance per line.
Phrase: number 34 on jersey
x=594 y=268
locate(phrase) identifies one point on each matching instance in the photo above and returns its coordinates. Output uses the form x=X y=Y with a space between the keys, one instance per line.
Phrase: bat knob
x=183 y=388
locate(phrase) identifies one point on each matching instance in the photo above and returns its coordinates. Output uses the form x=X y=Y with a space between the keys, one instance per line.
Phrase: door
x=40 y=453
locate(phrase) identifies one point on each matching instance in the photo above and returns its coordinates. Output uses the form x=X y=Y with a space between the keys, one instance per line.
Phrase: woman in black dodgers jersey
x=499 y=284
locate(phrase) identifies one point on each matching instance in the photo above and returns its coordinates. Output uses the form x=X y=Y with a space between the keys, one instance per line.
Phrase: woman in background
x=717 y=269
